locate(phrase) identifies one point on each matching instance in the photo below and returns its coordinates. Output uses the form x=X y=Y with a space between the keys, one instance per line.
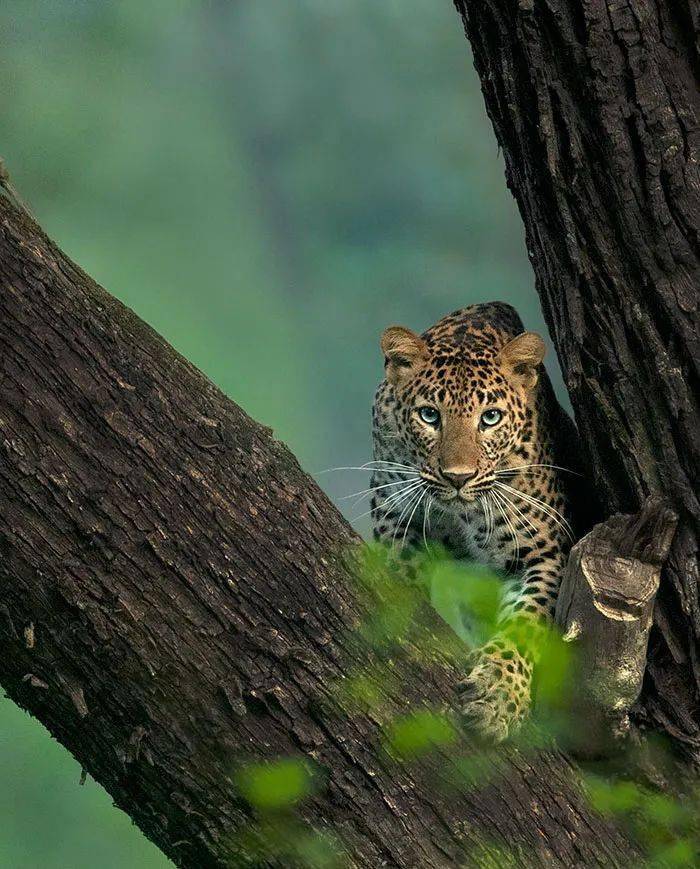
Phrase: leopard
x=473 y=452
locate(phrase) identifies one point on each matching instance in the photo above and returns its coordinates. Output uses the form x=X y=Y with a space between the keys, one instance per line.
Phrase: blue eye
x=429 y=415
x=491 y=417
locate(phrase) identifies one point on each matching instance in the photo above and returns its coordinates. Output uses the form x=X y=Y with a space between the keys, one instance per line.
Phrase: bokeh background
x=269 y=184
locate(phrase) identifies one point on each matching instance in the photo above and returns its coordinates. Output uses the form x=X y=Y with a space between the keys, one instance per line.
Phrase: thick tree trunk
x=172 y=602
x=596 y=104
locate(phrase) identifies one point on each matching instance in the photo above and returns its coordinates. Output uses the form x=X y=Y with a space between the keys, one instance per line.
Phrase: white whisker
x=405 y=510
x=426 y=514
x=540 y=505
x=520 y=468
x=387 y=462
x=410 y=518
x=485 y=507
x=388 y=470
x=509 y=524
x=394 y=499
x=524 y=520
x=375 y=489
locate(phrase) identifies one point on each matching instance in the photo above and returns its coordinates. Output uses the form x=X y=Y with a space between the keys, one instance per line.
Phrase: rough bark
x=172 y=601
x=596 y=105
x=605 y=610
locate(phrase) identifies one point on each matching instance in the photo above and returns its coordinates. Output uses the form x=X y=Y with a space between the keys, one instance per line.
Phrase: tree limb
x=172 y=602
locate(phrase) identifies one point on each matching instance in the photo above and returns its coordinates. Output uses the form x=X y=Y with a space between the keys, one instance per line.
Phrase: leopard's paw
x=495 y=697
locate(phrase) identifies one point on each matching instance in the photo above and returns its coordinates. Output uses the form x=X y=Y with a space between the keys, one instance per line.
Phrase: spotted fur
x=491 y=492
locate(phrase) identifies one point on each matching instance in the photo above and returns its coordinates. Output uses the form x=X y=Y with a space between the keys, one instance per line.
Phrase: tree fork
x=596 y=105
x=172 y=601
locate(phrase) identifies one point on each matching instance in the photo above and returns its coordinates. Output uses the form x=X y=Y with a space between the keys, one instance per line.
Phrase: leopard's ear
x=521 y=357
x=404 y=352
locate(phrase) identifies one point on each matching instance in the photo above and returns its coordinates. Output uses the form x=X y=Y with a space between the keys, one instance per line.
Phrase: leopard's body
x=484 y=478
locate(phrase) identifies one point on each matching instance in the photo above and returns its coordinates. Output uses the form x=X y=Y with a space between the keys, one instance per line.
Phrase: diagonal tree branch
x=172 y=601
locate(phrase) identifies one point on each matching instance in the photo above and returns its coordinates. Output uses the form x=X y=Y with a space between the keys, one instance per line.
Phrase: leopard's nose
x=459 y=478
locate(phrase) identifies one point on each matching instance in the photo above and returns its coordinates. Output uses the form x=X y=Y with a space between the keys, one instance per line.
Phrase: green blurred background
x=268 y=184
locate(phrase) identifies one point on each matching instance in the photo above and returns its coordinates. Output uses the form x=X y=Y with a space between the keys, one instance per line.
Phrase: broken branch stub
x=605 y=608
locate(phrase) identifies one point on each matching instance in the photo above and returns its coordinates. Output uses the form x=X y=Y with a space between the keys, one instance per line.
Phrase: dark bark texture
x=596 y=105
x=172 y=601
x=605 y=609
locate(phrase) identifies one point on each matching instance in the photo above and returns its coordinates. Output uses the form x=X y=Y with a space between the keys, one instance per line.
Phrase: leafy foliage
x=668 y=828
x=273 y=791
x=410 y=736
x=276 y=785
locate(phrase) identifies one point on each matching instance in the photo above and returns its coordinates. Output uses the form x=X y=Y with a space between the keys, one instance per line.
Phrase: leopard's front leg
x=495 y=697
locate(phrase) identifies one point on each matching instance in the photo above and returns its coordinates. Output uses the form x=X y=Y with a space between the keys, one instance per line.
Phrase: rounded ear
x=521 y=356
x=403 y=351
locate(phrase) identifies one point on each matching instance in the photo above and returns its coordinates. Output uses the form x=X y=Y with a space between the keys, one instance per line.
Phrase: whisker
x=426 y=520
x=509 y=525
x=393 y=500
x=375 y=489
x=410 y=518
x=390 y=463
x=491 y=511
x=487 y=519
x=524 y=520
x=492 y=516
x=405 y=510
x=540 y=505
x=545 y=508
x=389 y=470
x=520 y=468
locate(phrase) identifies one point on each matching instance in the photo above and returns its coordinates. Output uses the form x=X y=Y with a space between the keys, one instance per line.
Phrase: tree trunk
x=173 y=601
x=596 y=105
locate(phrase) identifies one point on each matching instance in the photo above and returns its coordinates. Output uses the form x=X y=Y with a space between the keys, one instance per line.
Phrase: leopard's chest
x=476 y=536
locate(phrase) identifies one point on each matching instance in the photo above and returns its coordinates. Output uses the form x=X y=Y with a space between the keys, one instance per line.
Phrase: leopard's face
x=460 y=425
x=460 y=403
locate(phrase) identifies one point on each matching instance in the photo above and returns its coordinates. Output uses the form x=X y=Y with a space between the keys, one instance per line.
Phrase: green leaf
x=682 y=852
x=467 y=597
x=415 y=734
x=612 y=798
x=276 y=784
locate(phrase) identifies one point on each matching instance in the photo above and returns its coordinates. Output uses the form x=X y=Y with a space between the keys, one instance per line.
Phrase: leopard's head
x=461 y=400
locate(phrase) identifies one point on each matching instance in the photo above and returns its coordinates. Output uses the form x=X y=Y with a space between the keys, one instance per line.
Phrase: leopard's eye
x=491 y=417
x=429 y=415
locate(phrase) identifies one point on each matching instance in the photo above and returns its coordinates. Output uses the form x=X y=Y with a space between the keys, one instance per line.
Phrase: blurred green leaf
x=413 y=735
x=612 y=798
x=275 y=784
x=682 y=852
x=466 y=596
x=554 y=668
x=664 y=810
